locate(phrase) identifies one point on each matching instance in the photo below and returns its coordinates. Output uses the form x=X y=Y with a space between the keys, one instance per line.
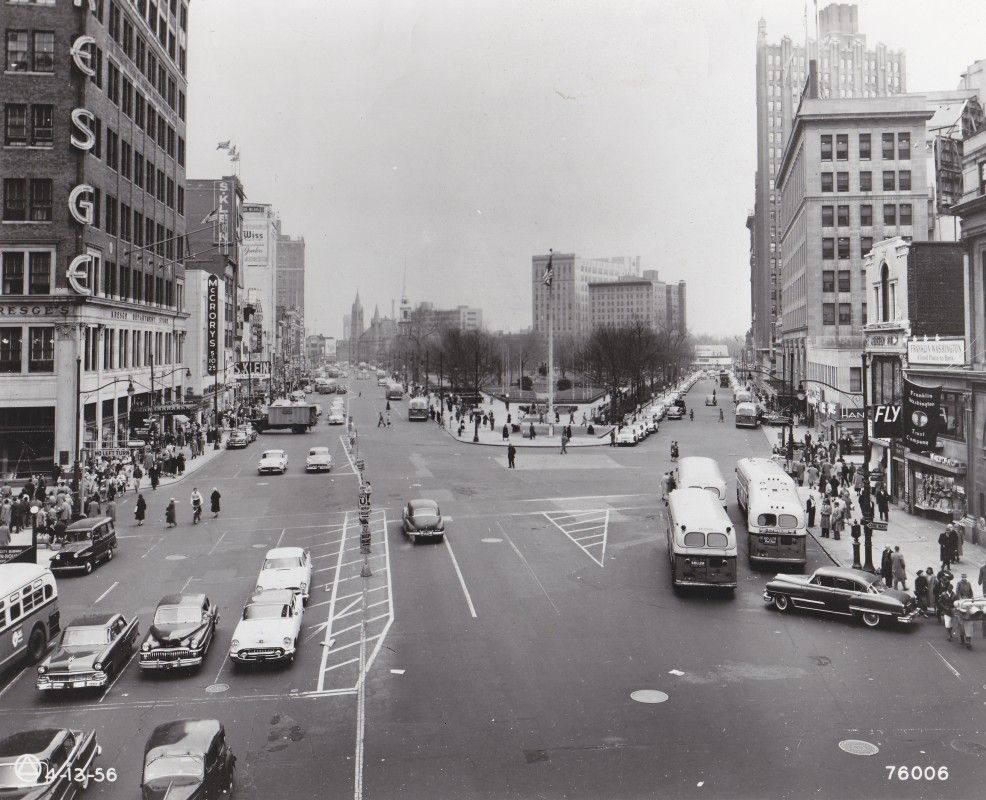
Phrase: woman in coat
x=886 y=566
x=214 y=500
x=140 y=510
x=171 y=514
x=826 y=517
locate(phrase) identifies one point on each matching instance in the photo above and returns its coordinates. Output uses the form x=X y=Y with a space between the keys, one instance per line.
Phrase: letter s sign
x=84 y=120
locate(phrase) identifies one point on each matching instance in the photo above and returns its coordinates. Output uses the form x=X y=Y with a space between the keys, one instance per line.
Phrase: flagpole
x=551 y=355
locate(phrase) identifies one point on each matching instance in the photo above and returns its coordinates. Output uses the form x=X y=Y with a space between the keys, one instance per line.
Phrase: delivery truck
x=281 y=414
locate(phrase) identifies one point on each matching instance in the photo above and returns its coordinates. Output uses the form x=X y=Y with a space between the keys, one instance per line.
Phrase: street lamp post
x=867 y=520
x=77 y=471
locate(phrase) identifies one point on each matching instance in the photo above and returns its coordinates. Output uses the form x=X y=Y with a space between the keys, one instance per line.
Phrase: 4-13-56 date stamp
x=916 y=773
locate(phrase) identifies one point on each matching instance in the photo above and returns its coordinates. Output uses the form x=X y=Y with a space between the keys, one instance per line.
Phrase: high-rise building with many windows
x=92 y=235
x=847 y=69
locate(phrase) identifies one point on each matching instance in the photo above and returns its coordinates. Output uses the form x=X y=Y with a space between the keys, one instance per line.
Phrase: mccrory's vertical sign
x=212 y=325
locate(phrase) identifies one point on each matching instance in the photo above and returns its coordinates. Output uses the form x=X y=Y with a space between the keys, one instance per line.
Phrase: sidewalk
x=916 y=536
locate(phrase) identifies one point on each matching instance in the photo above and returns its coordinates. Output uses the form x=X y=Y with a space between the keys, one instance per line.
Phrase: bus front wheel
x=36 y=645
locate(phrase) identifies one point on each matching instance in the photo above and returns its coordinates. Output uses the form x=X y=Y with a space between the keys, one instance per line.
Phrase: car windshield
x=178 y=770
x=265 y=611
x=424 y=511
x=177 y=615
x=14 y=776
x=318 y=451
x=273 y=454
x=289 y=562
x=84 y=637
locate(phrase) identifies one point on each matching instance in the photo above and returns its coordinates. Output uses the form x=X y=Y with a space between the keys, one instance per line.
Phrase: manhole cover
x=491 y=540
x=858 y=747
x=969 y=748
x=216 y=688
x=648 y=696
x=175 y=557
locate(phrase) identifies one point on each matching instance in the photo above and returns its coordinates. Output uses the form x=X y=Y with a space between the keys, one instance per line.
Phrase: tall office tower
x=846 y=68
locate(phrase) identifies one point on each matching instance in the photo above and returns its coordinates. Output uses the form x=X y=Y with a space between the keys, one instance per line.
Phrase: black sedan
x=188 y=760
x=184 y=626
x=423 y=518
x=843 y=592
x=92 y=651
x=47 y=763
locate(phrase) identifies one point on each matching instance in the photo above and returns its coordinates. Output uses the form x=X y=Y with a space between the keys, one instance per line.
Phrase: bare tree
x=471 y=359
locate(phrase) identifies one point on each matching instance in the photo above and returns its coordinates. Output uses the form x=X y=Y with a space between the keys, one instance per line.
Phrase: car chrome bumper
x=49 y=683
x=172 y=663
x=908 y=618
x=56 y=568
x=246 y=656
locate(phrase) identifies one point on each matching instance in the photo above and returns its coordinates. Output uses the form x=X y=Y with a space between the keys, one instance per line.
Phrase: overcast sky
x=466 y=135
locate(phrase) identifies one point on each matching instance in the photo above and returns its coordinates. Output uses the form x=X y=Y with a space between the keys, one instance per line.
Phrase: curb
x=185 y=474
x=824 y=549
x=528 y=446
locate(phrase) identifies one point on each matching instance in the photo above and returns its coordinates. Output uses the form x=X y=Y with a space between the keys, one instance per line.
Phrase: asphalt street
x=502 y=663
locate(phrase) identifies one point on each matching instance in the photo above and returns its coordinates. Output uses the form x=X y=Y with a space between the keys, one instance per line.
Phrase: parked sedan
x=47 y=763
x=423 y=518
x=237 y=440
x=273 y=461
x=286 y=568
x=269 y=629
x=188 y=759
x=626 y=437
x=183 y=628
x=91 y=652
x=676 y=412
x=318 y=459
x=843 y=592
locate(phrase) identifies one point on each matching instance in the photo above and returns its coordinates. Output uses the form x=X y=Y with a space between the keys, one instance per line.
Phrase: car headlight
x=234 y=644
x=287 y=641
x=146 y=646
x=97 y=664
x=42 y=670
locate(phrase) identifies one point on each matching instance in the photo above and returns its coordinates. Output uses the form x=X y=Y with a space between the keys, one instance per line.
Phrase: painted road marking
x=581 y=522
x=462 y=581
x=216 y=544
x=115 y=584
x=332 y=603
x=529 y=568
x=349 y=458
x=951 y=669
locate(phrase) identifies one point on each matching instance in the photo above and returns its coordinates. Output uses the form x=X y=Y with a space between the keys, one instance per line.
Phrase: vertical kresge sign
x=212 y=325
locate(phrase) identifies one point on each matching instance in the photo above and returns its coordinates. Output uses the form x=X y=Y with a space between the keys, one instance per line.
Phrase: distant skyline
x=467 y=136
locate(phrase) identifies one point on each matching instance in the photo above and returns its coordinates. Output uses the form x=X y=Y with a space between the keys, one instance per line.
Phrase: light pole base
x=366 y=572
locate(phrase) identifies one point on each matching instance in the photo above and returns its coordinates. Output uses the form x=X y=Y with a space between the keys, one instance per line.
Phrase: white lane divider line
x=332 y=604
x=520 y=555
x=587 y=530
x=349 y=458
x=115 y=584
x=462 y=581
x=944 y=661
x=216 y=544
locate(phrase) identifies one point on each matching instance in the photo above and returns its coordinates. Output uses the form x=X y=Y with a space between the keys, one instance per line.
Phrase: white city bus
x=417 y=409
x=701 y=540
x=775 y=516
x=28 y=612
x=699 y=472
x=746 y=415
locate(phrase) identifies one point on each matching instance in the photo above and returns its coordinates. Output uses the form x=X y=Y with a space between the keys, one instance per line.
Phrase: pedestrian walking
x=886 y=566
x=952 y=535
x=946 y=606
x=196 y=500
x=612 y=443
x=214 y=502
x=825 y=520
x=810 y=509
x=511 y=456
x=921 y=592
x=899 y=568
x=963 y=589
x=838 y=518
x=721 y=418
x=883 y=503
x=932 y=579
x=171 y=514
x=155 y=473
x=380 y=422
x=945 y=547
x=982 y=578
x=811 y=476
x=564 y=443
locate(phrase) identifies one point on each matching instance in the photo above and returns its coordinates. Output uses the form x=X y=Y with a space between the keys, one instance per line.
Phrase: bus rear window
x=717 y=540
x=787 y=521
x=695 y=539
x=767 y=519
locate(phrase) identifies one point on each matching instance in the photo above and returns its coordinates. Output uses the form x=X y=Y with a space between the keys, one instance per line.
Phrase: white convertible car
x=273 y=461
x=318 y=459
x=286 y=568
x=269 y=629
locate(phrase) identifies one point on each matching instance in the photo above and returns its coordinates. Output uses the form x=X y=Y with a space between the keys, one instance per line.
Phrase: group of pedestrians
x=171 y=508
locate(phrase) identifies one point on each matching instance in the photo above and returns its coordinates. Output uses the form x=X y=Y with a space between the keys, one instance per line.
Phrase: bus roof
x=703 y=511
x=13 y=576
x=702 y=465
x=746 y=407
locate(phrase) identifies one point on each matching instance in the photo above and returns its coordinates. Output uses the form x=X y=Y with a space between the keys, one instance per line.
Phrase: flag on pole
x=549 y=271
x=212 y=216
x=223 y=145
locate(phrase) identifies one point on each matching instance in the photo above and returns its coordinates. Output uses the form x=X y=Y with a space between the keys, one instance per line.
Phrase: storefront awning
x=944 y=468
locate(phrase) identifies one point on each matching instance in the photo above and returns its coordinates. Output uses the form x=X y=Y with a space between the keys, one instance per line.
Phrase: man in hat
x=944 y=548
x=953 y=542
x=963 y=589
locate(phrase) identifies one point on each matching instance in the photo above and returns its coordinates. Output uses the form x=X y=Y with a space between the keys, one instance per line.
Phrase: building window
x=862 y=319
x=828 y=313
x=14 y=199
x=953 y=412
x=828 y=280
x=866 y=214
x=41 y=356
x=42 y=126
x=15 y=124
x=826 y=181
x=843 y=216
x=41 y=200
x=828 y=218
x=905 y=213
x=40 y=273
x=889 y=180
x=844 y=285
x=828 y=248
x=866 y=181
x=125 y=160
x=843 y=244
x=842 y=182
x=44 y=51
x=845 y=314
x=904 y=146
x=864 y=147
x=13 y=273
x=855 y=379
x=842 y=147
x=904 y=180
x=865 y=244
x=181 y=200
x=18 y=54
x=10 y=350
x=888 y=147
x=889 y=214
x=826 y=154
